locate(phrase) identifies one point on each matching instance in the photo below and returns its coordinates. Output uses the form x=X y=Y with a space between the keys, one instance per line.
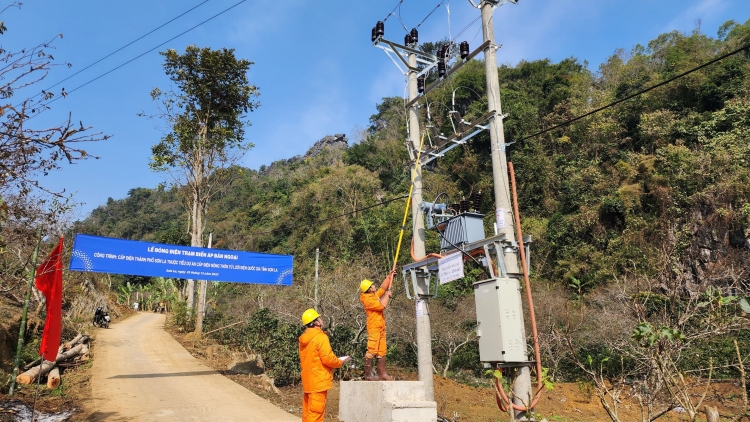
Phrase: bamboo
x=22 y=329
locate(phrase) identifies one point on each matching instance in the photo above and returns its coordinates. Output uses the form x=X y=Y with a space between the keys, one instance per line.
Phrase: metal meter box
x=461 y=229
x=500 y=325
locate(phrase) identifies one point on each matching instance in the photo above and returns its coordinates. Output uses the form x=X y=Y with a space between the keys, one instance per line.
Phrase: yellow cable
x=408 y=203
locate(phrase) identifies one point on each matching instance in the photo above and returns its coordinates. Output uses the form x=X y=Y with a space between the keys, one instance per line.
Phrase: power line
x=402 y=22
x=394 y=9
x=397 y=15
x=323 y=220
x=141 y=55
x=128 y=44
x=614 y=103
x=429 y=14
x=467 y=27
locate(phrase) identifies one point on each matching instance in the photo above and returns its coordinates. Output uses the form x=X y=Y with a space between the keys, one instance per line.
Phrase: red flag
x=49 y=282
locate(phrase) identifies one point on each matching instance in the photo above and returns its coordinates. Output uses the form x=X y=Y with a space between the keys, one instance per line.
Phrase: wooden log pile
x=70 y=354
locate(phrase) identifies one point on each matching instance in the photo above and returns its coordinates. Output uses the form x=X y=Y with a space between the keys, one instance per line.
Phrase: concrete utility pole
x=522 y=385
x=424 y=337
x=317 y=254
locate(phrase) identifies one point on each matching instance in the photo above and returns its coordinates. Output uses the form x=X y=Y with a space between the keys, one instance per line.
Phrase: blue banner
x=131 y=257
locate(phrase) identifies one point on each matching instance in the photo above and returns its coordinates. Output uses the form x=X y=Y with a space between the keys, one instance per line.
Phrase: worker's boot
x=369 y=375
x=382 y=374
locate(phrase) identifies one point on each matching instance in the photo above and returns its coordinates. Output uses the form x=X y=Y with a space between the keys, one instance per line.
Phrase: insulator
x=407 y=39
x=454 y=208
x=441 y=69
x=443 y=53
x=374 y=34
x=414 y=36
x=464 y=206
x=464 y=47
x=380 y=29
x=477 y=202
x=420 y=84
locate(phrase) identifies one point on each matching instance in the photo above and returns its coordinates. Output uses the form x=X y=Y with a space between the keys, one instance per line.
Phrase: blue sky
x=317 y=71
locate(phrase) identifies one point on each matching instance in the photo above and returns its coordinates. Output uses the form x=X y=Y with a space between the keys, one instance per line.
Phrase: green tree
x=205 y=115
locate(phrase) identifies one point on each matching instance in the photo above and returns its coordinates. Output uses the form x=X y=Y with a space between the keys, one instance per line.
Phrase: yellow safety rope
x=408 y=203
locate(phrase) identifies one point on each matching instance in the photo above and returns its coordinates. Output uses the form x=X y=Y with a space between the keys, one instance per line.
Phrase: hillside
x=640 y=215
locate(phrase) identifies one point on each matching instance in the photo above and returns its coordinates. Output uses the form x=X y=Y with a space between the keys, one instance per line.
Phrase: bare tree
x=649 y=360
x=456 y=329
x=28 y=152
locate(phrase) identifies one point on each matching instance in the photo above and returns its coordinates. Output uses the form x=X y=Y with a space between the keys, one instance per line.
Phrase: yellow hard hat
x=364 y=285
x=309 y=316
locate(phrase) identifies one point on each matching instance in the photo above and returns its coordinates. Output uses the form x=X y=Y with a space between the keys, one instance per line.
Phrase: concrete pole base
x=385 y=401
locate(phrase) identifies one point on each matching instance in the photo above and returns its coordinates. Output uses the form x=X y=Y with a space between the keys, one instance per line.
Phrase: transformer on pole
x=501 y=330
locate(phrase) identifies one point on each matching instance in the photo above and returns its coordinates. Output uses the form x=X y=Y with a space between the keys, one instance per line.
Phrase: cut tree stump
x=84 y=355
x=73 y=342
x=31 y=375
x=53 y=378
x=712 y=414
x=36 y=362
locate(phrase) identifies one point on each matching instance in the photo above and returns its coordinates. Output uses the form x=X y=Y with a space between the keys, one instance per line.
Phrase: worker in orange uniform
x=375 y=301
x=318 y=362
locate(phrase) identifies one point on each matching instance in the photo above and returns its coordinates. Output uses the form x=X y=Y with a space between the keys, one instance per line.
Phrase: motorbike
x=102 y=320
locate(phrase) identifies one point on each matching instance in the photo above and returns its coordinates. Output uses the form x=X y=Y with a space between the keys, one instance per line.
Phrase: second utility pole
x=522 y=384
x=424 y=337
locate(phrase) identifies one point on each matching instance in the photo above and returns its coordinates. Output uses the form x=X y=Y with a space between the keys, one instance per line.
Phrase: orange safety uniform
x=317 y=361
x=375 y=323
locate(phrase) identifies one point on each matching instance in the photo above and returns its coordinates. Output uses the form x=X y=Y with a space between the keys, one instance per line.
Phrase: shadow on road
x=160 y=375
x=106 y=416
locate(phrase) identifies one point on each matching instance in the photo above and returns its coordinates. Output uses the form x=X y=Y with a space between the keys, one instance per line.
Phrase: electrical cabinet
x=500 y=327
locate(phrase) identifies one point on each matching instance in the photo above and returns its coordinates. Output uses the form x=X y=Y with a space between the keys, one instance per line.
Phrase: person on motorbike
x=98 y=315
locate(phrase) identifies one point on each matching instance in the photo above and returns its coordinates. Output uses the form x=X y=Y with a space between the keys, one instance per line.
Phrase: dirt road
x=141 y=373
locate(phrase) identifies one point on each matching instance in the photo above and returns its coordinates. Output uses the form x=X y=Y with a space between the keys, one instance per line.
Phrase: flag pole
x=38 y=381
x=22 y=330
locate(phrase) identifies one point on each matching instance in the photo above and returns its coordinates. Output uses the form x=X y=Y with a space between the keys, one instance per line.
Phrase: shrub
x=277 y=342
x=182 y=317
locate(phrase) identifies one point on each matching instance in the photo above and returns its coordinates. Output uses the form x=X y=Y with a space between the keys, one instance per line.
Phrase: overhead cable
x=142 y=54
x=468 y=26
x=398 y=15
x=614 y=103
x=323 y=220
x=129 y=44
x=394 y=9
x=429 y=14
